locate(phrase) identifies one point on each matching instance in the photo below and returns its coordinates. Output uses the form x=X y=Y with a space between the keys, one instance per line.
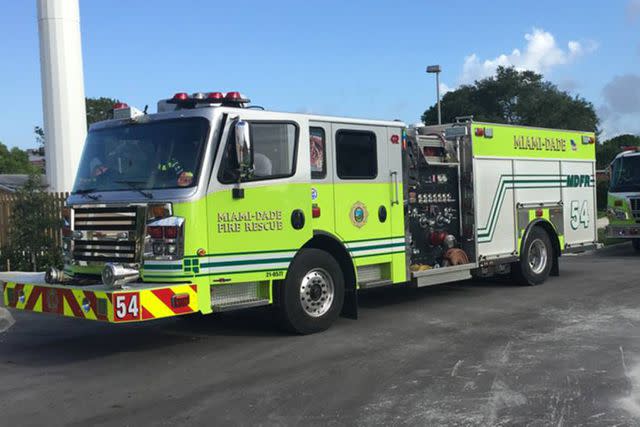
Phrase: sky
x=357 y=58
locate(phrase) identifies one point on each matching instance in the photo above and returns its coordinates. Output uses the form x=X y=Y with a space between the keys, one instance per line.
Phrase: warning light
x=539 y=213
x=395 y=139
x=479 y=131
x=120 y=106
x=181 y=96
x=180 y=300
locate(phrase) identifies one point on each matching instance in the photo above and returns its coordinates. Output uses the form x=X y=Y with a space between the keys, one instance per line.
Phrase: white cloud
x=541 y=54
x=621 y=110
x=444 y=88
x=633 y=10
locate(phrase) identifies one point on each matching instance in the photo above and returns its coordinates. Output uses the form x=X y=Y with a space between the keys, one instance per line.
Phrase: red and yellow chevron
x=116 y=306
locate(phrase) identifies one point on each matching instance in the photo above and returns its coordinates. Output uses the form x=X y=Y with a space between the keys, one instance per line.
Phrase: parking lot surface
x=474 y=353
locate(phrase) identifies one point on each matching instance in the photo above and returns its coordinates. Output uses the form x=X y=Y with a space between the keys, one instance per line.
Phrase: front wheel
x=313 y=292
x=536 y=259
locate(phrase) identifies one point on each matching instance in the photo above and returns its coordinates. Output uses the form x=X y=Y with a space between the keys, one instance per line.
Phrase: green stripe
x=162 y=267
x=366 y=248
x=241 y=272
x=244 y=262
x=242 y=253
x=382 y=254
x=373 y=240
x=498 y=200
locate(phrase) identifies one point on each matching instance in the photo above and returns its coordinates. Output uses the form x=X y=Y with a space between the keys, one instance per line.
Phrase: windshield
x=143 y=156
x=625 y=174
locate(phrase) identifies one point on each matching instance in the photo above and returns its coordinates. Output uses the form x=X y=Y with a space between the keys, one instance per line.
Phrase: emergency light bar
x=230 y=99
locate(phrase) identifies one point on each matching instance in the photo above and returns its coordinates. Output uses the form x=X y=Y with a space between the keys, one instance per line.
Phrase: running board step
x=239 y=295
x=374 y=284
x=437 y=276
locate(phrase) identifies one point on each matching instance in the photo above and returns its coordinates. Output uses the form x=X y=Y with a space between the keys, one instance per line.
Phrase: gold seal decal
x=358 y=214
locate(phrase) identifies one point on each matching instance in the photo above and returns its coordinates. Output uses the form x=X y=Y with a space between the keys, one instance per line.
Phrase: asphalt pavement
x=474 y=353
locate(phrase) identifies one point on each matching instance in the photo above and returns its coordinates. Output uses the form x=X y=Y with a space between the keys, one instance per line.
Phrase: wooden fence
x=53 y=207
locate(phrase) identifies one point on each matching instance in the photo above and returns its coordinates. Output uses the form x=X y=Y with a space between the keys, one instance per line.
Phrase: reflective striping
x=364 y=248
x=83 y=304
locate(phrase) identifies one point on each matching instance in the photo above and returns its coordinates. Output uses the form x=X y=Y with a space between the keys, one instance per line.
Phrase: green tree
x=608 y=150
x=99 y=109
x=33 y=224
x=14 y=160
x=516 y=97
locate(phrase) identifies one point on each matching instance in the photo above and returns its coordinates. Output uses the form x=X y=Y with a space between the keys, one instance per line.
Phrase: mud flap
x=555 y=268
x=350 y=306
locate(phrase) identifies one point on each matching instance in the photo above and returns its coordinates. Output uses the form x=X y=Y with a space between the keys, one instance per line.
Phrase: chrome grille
x=107 y=234
x=635 y=208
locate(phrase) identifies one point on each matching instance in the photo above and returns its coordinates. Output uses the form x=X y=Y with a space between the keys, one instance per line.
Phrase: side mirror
x=243 y=147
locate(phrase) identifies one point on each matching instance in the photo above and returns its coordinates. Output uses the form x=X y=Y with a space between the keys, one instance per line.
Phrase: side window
x=273 y=149
x=356 y=155
x=318 y=142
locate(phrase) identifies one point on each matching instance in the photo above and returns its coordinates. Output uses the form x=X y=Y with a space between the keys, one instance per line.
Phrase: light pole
x=435 y=69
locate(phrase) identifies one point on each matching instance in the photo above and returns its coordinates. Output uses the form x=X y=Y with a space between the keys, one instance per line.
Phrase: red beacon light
x=181 y=96
x=215 y=96
x=120 y=106
x=235 y=99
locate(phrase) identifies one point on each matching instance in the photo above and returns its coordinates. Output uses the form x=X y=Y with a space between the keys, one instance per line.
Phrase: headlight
x=620 y=214
x=165 y=239
x=617 y=213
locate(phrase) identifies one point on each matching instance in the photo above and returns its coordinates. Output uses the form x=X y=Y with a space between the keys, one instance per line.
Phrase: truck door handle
x=394 y=177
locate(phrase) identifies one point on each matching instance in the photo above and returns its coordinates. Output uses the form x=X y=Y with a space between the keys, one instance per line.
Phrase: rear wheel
x=536 y=259
x=636 y=244
x=312 y=293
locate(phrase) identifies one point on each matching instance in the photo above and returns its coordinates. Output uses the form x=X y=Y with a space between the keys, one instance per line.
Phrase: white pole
x=63 y=105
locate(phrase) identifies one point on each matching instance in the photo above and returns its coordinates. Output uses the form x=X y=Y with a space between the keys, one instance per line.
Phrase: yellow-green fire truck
x=212 y=205
x=623 y=200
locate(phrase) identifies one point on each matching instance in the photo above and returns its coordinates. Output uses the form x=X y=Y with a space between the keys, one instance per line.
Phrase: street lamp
x=435 y=69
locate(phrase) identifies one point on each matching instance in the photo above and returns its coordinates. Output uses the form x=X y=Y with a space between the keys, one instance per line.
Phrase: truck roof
x=205 y=111
x=628 y=153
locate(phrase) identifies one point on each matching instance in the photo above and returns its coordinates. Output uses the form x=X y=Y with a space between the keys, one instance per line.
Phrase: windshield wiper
x=134 y=185
x=87 y=193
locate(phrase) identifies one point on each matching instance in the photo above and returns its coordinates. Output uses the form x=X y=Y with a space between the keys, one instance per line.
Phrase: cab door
x=258 y=222
x=363 y=196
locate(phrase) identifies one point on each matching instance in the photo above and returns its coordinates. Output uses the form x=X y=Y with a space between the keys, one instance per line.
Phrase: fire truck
x=623 y=200
x=212 y=204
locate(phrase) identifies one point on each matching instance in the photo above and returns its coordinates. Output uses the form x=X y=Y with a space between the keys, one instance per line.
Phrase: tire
x=636 y=244
x=318 y=275
x=536 y=259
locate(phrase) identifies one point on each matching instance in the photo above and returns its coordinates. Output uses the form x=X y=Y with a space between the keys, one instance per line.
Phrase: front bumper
x=136 y=302
x=627 y=231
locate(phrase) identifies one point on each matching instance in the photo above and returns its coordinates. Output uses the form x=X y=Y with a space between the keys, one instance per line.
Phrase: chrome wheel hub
x=316 y=292
x=538 y=256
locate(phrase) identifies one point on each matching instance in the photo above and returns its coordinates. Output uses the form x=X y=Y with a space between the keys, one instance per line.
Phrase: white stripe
x=250 y=257
x=381 y=251
x=354 y=245
x=248 y=267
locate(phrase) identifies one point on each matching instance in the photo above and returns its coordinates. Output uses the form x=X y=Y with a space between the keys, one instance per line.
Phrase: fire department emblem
x=359 y=214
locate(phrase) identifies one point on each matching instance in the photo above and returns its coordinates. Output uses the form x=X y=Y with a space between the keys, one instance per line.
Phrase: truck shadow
x=40 y=340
